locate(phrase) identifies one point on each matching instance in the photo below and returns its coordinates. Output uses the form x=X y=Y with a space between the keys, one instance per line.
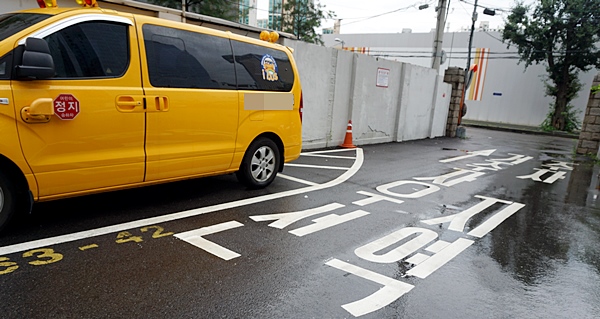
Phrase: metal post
x=439 y=35
x=471 y=39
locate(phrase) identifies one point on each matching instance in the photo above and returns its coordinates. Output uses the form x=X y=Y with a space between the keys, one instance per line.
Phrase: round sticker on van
x=269 y=68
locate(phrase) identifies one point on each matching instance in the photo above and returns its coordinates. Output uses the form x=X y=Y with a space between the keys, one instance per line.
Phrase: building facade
x=248 y=12
x=502 y=91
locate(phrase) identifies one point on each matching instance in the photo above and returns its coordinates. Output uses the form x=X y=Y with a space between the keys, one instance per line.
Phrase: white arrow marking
x=194 y=237
x=469 y=154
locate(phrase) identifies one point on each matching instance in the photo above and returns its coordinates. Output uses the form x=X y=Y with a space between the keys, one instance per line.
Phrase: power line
x=385 y=13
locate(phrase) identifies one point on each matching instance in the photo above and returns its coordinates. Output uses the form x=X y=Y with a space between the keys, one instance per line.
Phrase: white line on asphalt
x=392 y=289
x=318 y=166
x=469 y=155
x=294 y=179
x=194 y=237
x=328 y=156
x=184 y=214
x=495 y=220
x=436 y=261
x=331 y=151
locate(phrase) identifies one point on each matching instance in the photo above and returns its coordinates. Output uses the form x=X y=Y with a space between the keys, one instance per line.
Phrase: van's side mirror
x=37 y=62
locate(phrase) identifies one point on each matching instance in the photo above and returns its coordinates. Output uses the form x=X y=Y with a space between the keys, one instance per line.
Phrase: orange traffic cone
x=348 y=139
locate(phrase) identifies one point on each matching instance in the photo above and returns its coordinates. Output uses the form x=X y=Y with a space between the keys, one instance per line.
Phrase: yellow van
x=95 y=100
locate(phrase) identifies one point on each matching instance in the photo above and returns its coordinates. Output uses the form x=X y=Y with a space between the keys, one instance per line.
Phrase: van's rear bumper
x=292 y=153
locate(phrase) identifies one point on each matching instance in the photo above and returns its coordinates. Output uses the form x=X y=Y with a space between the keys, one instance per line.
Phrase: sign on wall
x=383 y=76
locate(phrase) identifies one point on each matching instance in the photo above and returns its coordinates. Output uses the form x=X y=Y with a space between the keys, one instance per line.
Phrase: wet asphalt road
x=364 y=239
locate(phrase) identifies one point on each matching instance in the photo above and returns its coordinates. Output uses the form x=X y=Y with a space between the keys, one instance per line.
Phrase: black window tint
x=5 y=66
x=90 y=49
x=256 y=69
x=11 y=23
x=184 y=59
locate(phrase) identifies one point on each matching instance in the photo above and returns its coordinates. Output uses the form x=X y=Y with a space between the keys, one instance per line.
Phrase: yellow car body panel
x=127 y=132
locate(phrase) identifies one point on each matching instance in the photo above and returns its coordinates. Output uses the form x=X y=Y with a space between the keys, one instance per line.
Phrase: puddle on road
x=551 y=247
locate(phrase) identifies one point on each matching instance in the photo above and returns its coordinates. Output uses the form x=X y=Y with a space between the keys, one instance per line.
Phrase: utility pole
x=439 y=35
x=471 y=38
x=183 y=10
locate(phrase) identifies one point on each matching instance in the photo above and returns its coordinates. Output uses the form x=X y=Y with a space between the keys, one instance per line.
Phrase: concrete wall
x=339 y=86
x=520 y=93
x=375 y=109
x=417 y=102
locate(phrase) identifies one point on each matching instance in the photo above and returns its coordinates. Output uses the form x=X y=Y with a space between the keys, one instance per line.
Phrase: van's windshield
x=11 y=23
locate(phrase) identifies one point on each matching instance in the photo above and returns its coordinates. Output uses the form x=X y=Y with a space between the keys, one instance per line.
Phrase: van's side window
x=5 y=66
x=184 y=59
x=90 y=50
x=253 y=65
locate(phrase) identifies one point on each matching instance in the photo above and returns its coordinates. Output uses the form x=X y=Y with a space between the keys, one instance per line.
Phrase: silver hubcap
x=263 y=164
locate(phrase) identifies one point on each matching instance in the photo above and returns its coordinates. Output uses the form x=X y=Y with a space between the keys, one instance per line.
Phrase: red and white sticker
x=66 y=106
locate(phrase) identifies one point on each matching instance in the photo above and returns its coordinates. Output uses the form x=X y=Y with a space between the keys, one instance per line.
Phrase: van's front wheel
x=260 y=164
x=7 y=200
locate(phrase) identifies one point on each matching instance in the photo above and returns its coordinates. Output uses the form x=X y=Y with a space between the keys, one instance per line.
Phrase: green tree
x=301 y=18
x=223 y=9
x=561 y=34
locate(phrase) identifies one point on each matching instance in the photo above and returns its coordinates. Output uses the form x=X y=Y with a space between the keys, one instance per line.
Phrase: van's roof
x=147 y=9
x=51 y=11
x=82 y=10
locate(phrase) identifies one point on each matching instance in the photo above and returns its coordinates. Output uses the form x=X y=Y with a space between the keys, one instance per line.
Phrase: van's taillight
x=301 y=106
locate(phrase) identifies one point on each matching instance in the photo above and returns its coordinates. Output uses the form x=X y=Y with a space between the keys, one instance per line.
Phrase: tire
x=464 y=110
x=7 y=200
x=260 y=164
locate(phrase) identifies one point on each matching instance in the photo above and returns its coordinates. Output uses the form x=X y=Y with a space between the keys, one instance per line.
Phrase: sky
x=358 y=15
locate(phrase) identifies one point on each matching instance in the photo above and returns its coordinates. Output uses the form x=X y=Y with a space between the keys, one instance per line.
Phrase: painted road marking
x=392 y=289
x=330 y=151
x=374 y=198
x=459 y=221
x=194 y=237
x=495 y=220
x=370 y=251
x=88 y=247
x=328 y=156
x=328 y=221
x=285 y=219
x=297 y=180
x=418 y=193
x=317 y=166
x=184 y=214
x=433 y=263
x=469 y=155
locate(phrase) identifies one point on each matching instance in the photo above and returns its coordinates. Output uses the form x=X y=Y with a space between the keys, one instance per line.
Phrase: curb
x=519 y=129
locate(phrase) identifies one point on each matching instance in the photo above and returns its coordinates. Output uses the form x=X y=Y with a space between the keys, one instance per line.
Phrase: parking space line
x=184 y=214
x=327 y=156
x=318 y=166
x=297 y=180
x=330 y=151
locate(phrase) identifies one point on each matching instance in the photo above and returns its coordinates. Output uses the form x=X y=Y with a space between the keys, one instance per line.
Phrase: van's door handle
x=130 y=103
x=39 y=111
x=157 y=103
